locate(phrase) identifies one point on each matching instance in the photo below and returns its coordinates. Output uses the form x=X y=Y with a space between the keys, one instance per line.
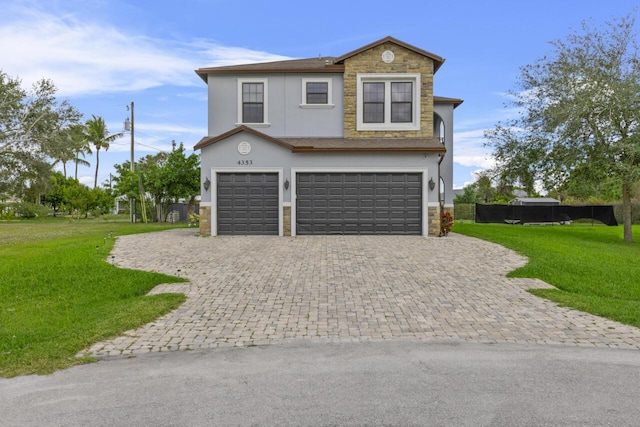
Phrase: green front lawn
x=594 y=269
x=59 y=294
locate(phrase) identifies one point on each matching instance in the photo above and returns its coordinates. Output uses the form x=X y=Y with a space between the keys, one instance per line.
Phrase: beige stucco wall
x=405 y=61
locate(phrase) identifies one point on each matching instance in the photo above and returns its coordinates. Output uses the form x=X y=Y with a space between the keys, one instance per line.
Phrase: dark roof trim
x=206 y=141
x=309 y=65
x=444 y=100
x=369 y=150
x=335 y=145
x=437 y=59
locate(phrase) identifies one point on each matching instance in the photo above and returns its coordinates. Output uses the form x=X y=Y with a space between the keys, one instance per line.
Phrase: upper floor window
x=373 y=102
x=252 y=101
x=401 y=102
x=317 y=93
x=388 y=101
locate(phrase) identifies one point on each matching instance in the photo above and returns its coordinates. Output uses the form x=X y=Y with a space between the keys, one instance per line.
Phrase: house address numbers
x=245 y=162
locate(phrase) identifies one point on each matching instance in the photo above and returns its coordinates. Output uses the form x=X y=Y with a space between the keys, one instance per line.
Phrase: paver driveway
x=256 y=290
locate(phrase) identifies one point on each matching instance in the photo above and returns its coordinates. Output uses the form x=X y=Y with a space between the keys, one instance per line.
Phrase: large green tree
x=148 y=174
x=30 y=123
x=167 y=177
x=98 y=135
x=182 y=175
x=580 y=111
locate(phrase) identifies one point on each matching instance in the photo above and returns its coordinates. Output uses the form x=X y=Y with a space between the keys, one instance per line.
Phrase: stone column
x=205 y=220
x=433 y=221
x=286 y=220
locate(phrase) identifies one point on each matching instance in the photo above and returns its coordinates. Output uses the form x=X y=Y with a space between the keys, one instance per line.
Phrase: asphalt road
x=385 y=383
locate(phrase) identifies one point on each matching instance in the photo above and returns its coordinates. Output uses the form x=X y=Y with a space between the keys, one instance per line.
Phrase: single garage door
x=359 y=203
x=247 y=203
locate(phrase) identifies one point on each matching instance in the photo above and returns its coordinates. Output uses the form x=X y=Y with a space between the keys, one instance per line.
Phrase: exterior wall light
x=432 y=184
x=286 y=184
x=206 y=184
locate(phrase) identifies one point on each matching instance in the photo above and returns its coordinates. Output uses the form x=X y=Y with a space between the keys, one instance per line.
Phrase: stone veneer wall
x=205 y=220
x=405 y=61
x=433 y=221
x=286 y=220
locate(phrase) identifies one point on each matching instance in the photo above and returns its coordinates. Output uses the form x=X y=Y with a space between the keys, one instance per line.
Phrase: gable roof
x=209 y=140
x=324 y=64
x=438 y=60
x=305 y=145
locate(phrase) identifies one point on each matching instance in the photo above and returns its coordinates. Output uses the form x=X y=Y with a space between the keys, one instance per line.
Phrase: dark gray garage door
x=359 y=203
x=247 y=203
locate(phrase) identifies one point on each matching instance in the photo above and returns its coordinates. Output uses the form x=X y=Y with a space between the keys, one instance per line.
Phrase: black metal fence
x=527 y=214
x=467 y=212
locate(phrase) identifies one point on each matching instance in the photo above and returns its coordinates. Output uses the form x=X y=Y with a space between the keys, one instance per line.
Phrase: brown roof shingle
x=325 y=64
x=310 y=65
x=437 y=59
x=304 y=145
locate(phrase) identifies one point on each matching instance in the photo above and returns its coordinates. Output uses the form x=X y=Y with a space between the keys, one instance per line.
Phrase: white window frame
x=265 y=83
x=387 y=79
x=329 y=82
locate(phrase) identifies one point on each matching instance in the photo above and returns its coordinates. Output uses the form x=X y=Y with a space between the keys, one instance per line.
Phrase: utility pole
x=129 y=125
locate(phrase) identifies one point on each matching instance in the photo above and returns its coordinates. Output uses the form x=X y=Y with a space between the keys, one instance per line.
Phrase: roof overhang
x=336 y=145
x=438 y=60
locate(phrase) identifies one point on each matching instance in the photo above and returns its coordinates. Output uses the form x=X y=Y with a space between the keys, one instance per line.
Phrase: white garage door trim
x=423 y=171
x=214 y=193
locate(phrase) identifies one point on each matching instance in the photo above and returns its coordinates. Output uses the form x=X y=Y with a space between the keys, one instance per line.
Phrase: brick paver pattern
x=259 y=290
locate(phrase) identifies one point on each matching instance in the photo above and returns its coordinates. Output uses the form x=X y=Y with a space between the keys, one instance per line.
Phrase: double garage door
x=326 y=203
x=359 y=203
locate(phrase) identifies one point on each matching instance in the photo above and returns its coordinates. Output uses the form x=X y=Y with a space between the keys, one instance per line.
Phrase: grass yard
x=594 y=269
x=59 y=294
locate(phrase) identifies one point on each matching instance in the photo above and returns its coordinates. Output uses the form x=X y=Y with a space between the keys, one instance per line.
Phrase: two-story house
x=355 y=144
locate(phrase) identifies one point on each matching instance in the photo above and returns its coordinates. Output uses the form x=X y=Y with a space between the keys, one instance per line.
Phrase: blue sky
x=102 y=55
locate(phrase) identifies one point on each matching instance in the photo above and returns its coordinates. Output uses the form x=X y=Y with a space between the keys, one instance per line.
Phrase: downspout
x=440 y=202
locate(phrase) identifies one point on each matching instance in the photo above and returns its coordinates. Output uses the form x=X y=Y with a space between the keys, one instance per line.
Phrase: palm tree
x=81 y=147
x=81 y=162
x=98 y=135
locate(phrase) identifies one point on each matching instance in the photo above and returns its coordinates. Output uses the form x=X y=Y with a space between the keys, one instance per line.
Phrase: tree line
x=39 y=132
x=577 y=134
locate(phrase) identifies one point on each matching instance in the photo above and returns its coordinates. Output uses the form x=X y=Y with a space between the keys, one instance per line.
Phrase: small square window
x=316 y=93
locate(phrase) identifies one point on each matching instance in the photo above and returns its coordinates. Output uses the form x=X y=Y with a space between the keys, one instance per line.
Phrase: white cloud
x=215 y=55
x=196 y=96
x=82 y=56
x=87 y=180
x=469 y=151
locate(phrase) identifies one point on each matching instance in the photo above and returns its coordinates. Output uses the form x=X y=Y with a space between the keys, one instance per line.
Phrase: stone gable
x=405 y=61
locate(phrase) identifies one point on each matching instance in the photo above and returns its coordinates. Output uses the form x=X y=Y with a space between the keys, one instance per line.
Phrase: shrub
x=31 y=210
